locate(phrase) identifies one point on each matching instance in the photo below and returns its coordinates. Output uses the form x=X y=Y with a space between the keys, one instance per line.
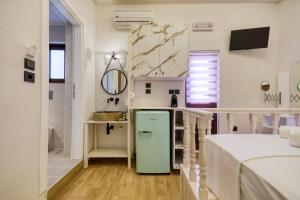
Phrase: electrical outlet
x=29 y=77
x=177 y=91
x=171 y=91
x=148 y=85
x=148 y=91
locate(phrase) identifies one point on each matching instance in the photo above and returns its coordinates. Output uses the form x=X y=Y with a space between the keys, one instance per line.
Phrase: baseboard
x=60 y=185
x=43 y=196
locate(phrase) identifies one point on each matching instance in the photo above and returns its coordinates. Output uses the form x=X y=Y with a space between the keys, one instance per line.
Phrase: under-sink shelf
x=109 y=153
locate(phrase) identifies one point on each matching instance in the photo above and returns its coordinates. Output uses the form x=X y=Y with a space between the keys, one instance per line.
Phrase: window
x=202 y=85
x=57 y=63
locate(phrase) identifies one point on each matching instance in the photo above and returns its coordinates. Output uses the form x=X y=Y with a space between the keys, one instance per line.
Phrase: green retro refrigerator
x=152 y=141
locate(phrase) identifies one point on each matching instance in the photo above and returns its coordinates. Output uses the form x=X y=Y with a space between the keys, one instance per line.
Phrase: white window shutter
x=202 y=84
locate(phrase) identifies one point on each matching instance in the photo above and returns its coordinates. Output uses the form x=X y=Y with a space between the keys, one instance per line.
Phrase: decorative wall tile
x=174 y=51
x=159 y=51
x=145 y=49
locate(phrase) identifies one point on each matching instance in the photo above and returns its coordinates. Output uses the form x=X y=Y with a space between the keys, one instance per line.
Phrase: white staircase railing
x=201 y=119
x=193 y=173
x=254 y=114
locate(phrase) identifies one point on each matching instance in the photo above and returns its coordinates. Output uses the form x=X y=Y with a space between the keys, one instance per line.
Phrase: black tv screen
x=245 y=39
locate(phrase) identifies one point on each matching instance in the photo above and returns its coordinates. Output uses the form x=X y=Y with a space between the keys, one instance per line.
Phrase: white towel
x=295 y=137
x=284 y=131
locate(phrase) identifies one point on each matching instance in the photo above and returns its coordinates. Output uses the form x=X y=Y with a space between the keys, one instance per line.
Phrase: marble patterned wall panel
x=159 y=51
x=145 y=49
x=173 y=51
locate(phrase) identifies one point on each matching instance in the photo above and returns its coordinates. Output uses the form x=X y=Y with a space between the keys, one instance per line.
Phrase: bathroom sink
x=108 y=116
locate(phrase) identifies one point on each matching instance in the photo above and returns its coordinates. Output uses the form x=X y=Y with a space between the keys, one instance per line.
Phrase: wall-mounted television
x=245 y=39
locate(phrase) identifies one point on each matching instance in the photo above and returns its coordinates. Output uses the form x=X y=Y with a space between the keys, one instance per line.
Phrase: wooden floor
x=107 y=179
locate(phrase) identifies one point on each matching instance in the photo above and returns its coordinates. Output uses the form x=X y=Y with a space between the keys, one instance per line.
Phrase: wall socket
x=174 y=91
x=29 y=77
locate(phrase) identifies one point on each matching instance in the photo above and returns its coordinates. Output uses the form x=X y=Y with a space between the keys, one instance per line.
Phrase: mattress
x=276 y=178
x=226 y=154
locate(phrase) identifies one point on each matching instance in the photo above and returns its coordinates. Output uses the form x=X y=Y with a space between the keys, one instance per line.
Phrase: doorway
x=61 y=146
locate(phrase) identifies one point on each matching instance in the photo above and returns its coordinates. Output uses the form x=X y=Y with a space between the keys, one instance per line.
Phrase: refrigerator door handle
x=145 y=132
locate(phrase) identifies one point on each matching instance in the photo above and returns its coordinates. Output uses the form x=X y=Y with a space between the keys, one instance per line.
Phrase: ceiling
x=114 y=2
x=55 y=17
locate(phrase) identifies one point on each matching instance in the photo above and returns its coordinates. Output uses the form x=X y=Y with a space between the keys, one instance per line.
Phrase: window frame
x=53 y=46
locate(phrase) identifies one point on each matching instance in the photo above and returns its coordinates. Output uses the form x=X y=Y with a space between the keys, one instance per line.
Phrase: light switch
x=29 y=64
x=50 y=95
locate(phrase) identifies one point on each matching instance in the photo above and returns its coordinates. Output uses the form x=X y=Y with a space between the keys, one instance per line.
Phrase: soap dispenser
x=174 y=102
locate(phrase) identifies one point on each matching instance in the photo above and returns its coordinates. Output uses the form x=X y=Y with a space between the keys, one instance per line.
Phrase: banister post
x=202 y=126
x=253 y=122
x=276 y=118
x=230 y=122
x=186 y=135
x=209 y=127
x=192 y=171
x=297 y=119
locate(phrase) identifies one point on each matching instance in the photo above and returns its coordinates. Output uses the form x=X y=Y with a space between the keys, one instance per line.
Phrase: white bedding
x=281 y=181
x=227 y=152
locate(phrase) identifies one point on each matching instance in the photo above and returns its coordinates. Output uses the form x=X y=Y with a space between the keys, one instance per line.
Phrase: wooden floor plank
x=109 y=179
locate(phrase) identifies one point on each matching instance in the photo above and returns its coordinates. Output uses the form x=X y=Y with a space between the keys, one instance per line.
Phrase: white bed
x=252 y=167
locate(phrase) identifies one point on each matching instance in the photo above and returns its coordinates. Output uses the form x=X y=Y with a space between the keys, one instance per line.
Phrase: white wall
x=159 y=96
x=289 y=43
x=289 y=38
x=87 y=12
x=241 y=71
x=57 y=34
x=20 y=103
x=20 y=25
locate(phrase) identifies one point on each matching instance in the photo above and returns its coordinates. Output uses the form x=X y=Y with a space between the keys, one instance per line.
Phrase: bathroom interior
x=60 y=160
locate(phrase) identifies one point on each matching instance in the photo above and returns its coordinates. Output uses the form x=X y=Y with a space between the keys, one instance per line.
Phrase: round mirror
x=265 y=86
x=114 y=81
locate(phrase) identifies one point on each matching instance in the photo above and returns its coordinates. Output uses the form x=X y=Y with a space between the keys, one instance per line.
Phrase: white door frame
x=68 y=10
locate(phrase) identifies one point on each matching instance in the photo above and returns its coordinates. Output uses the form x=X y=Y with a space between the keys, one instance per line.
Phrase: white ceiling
x=113 y=2
x=55 y=17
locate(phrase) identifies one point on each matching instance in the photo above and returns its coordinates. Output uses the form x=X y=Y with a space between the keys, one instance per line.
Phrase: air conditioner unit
x=124 y=19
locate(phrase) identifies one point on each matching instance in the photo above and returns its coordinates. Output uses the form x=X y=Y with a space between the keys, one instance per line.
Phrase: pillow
x=284 y=131
x=295 y=137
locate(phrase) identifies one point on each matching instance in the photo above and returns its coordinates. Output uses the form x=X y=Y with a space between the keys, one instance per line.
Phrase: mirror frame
x=126 y=82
